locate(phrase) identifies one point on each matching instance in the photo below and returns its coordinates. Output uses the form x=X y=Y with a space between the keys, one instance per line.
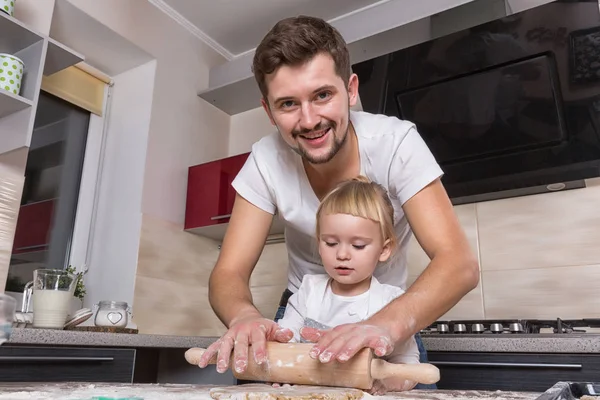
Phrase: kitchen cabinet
x=210 y=195
x=33 y=227
x=210 y=198
x=512 y=371
x=66 y=364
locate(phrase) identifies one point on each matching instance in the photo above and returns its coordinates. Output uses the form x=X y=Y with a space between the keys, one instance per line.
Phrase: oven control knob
x=516 y=327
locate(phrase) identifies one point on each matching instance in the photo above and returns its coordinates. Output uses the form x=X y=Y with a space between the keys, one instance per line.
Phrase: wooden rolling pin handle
x=193 y=355
x=420 y=373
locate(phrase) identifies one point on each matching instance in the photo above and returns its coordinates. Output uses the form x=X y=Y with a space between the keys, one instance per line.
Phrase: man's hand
x=344 y=341
x=253 y=330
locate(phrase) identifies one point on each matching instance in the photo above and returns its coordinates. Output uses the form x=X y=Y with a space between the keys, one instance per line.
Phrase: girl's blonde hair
x=361 y=198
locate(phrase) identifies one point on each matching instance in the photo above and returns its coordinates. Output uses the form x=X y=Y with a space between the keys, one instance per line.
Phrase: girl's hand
x=378 y=388
x=381 y=387
x=280 y=385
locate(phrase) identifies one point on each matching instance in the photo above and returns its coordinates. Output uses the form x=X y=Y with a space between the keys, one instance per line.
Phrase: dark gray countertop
x=542 y=343
x=100 y=339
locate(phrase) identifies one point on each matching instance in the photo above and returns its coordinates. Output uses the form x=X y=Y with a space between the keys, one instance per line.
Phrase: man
x=303 y=70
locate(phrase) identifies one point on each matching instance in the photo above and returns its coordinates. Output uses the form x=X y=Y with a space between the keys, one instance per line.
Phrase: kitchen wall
x=247 y=128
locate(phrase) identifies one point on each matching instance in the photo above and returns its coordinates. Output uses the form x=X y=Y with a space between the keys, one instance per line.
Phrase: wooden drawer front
x=55 y=364
x=512 y=371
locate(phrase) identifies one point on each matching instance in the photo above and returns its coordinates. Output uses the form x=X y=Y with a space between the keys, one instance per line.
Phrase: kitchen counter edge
x=588 y=343
x=31 y=336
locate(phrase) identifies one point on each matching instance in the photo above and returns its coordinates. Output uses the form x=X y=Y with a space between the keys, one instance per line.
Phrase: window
x=53 y=174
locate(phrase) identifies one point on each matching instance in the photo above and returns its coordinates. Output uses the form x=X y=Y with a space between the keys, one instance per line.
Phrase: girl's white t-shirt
x=315 y=305
x=392 y=153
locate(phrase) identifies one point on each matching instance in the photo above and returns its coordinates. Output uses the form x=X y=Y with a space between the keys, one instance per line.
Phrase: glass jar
x=114 y=314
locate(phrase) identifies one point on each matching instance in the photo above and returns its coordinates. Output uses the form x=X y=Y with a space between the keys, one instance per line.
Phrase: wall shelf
x=11 y=103
x=41 y=55
x=60 y=57
x=14 y=35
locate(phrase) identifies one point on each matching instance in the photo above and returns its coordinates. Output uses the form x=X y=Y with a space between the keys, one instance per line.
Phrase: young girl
x=355 y=231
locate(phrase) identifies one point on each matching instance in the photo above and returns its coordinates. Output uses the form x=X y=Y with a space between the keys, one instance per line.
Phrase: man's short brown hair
x=295 y=41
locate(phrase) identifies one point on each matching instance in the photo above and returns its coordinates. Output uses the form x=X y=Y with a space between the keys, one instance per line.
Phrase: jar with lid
x=112 y=314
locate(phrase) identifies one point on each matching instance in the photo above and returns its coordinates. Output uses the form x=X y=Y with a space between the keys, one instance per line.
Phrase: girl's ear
x=386 y=251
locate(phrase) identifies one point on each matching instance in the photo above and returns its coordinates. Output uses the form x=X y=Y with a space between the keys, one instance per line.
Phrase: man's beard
x=338 y=143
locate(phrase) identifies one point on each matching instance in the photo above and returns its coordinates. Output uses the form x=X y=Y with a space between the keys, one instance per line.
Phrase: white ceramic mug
x=8 y=6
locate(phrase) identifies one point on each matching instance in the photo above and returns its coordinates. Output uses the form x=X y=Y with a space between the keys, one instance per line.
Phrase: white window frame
x=91 y=178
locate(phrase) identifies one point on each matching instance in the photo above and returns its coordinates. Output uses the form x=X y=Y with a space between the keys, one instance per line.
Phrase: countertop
x=100 y=339
x=541 y=343
x=83 y=391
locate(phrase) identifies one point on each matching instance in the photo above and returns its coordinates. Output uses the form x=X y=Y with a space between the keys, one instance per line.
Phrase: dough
x=267 y=392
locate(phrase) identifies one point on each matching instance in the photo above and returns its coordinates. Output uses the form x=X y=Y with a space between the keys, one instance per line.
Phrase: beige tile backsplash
x=548 y=293
x=539 y=258
x=542 y=231
x=171 y=288
x=471 y=306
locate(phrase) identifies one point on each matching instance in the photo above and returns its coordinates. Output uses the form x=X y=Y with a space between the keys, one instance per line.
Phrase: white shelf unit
x=41 y=55
x=59 y=57
x=11 y=103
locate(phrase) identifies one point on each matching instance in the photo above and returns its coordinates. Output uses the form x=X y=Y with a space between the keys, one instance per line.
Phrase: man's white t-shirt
x=315 y=305
x=392 y=153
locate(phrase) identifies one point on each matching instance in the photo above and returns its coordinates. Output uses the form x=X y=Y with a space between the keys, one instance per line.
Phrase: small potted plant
x=80 y=292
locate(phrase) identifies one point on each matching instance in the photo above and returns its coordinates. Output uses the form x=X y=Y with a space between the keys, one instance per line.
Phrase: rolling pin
x=290 y=363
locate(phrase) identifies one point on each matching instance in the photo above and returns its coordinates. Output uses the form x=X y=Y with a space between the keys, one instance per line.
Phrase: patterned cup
x=8 y=6
x=11 y=73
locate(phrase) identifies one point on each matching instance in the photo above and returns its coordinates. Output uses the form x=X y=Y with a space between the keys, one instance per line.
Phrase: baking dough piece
x=297 y=392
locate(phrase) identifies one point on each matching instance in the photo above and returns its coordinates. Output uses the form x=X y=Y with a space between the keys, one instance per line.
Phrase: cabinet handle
x=220 y=217
x=501 y=364
x=54 y=359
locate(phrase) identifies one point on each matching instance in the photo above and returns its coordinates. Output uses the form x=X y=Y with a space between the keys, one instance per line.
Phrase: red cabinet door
x=210 y=195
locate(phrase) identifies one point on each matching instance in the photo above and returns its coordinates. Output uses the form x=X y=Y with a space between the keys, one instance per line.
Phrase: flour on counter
x=285 y=392
x=73 y=391
x=78 y=391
